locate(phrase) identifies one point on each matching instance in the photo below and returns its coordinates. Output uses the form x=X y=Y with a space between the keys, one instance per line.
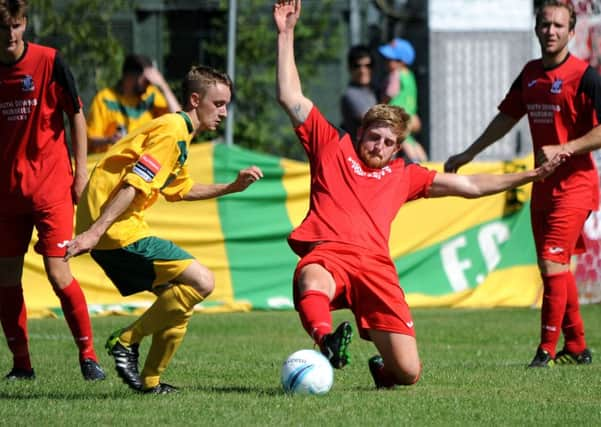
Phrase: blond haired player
x=148 y=163
x=356 y=191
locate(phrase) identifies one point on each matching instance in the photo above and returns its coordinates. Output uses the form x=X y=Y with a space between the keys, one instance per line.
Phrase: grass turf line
x=228 y=368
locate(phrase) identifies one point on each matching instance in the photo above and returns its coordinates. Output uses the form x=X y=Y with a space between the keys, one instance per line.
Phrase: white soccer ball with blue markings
x=307 y=372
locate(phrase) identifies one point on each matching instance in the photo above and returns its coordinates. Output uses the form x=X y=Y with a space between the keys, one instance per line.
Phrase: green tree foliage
x=81 y=30
x=260 y=123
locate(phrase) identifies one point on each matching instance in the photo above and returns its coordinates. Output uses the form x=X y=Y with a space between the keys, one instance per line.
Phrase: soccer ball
x=307 y=372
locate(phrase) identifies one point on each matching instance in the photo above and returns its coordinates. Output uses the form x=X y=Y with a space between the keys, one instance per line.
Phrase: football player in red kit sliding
x=356 y=192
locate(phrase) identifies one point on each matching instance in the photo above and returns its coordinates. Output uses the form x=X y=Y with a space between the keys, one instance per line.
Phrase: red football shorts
x=558 y=233
x=54 y=225
x=367 y=284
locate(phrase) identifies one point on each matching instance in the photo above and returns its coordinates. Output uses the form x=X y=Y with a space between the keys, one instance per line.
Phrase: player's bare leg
x=399 y=363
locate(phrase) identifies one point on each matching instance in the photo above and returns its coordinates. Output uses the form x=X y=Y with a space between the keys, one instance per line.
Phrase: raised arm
x=496 y=129
x=474 y=186
x=154 y=76
x=288 y=84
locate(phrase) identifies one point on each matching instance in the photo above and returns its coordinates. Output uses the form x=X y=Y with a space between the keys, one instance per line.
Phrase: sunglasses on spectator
x=361 y=65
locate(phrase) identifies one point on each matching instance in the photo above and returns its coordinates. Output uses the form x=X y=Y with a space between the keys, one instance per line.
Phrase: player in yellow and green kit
x=110 y=224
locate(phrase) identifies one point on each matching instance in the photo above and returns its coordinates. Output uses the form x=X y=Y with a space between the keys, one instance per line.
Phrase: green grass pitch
x=229 y=365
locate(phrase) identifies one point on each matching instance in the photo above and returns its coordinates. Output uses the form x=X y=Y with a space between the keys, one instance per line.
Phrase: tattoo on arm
x=298 y=113
x=296 y=110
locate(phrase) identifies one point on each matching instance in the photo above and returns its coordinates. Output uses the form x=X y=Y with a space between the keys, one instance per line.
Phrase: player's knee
x=406 y=373
x=548 y=267
x=408 y=376
x=199 y=277
x=205 y=282
x=314 y=278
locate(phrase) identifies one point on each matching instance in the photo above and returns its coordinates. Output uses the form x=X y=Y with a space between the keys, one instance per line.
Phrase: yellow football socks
x=167 y=321
x=173 y=307
x=164 y=345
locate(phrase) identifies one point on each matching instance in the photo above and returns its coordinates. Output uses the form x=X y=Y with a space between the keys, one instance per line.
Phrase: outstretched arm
x=208 y=191
x=473 y=186
x=87 y=240
x=496 y=129
x=288 y=85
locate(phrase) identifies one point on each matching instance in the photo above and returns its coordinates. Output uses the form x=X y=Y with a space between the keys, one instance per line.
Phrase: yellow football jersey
x=110 y=110
x=152 y=159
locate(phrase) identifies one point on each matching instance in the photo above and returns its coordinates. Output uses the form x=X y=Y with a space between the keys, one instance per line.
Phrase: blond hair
x=200 y=78
x=391 y=116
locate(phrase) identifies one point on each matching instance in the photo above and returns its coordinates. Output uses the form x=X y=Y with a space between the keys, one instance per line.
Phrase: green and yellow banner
x=449 y=251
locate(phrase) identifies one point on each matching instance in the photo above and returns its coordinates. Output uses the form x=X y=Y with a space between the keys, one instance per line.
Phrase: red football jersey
x=34 y=92
x=350 y=202
x=562 y=103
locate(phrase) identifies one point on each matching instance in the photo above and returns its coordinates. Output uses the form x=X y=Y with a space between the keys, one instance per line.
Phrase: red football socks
x=75 y=310
x=314 y=311
x=13 y=316
x=555 y=297
x=573 y=326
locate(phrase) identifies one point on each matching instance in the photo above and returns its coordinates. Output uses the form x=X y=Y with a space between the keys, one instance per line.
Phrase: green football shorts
x=143 y=265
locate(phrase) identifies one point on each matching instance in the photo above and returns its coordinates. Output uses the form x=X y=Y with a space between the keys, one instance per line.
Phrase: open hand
x=154 y=76
x=286 y=13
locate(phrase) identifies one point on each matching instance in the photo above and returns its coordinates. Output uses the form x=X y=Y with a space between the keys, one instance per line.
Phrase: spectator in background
x=400 y=89
x=38 y=185
x=140 y=95
x=359 y=95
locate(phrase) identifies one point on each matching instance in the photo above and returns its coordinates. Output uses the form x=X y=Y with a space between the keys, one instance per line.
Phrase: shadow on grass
x=57 y=395
x=234 y=389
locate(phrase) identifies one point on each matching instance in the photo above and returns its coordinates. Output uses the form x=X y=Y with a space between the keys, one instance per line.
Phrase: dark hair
x=557 y=3
x=356 y=53
x=200 y=77
x=11 y=9
x=135 y=64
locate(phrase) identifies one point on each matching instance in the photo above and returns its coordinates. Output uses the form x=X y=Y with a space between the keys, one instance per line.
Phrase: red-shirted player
x=37 y=184
x=562 y=97
x=356 y=192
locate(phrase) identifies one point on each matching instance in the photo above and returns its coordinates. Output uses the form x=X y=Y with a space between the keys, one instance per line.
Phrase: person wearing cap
x=400 y=89
x=141 y=95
